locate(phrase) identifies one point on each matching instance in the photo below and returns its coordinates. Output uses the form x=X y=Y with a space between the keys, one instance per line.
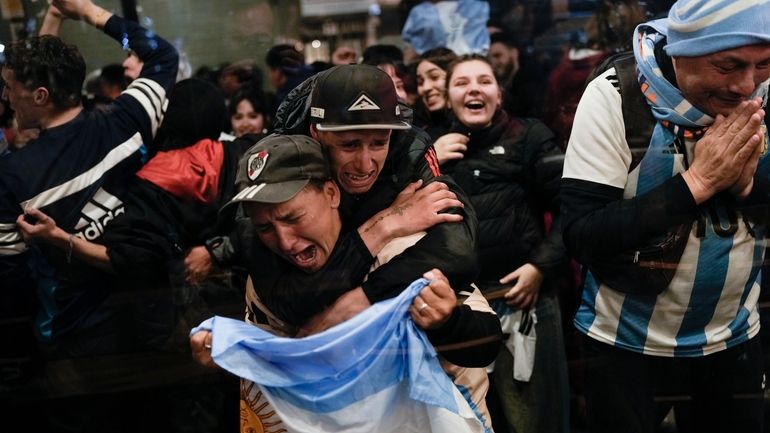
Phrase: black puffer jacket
x=511 y=171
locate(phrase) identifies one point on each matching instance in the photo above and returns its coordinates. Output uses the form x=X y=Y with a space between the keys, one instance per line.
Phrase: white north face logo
x=363 y=103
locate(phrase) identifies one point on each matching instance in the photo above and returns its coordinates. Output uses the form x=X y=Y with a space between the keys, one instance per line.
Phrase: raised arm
x=142 y=104
x=51 y=22
x=84 y=10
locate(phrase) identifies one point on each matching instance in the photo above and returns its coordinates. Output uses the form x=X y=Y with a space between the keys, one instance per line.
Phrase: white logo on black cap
x=363 y=103
x=317 y=112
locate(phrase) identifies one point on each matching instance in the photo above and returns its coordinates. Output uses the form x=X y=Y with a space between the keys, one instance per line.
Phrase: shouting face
x=302 y=230
x=356 y=157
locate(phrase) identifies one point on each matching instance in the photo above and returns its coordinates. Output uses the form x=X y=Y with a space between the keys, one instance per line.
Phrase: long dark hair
x=256 y=99
x=440 y=57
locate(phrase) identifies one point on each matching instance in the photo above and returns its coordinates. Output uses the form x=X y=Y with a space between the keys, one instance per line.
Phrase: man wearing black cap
x=355 y=115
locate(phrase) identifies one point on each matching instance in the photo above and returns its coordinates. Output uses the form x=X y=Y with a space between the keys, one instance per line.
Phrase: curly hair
x=47 y=61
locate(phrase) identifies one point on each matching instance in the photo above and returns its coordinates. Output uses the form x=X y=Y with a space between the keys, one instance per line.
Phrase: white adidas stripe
x=83 y=181
x=9 y=237
x=151 y=96
x=249 y=192
x=11 y=242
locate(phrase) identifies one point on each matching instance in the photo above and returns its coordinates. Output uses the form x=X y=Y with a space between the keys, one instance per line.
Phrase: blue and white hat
x=700 y=27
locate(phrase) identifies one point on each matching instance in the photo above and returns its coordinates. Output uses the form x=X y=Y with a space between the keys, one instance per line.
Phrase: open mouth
x=475 y=105
x=305 y=257
x=357 y=179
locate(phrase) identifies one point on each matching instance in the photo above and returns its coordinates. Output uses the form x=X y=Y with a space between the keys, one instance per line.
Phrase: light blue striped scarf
x=675 y=116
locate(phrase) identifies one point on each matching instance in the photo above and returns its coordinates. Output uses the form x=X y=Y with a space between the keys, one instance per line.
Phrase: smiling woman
x=248 y=112
x=474 y=95
x=431 y=78
x=511 y=169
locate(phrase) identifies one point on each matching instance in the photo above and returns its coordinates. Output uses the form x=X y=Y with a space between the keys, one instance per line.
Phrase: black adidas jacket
x=77 y=173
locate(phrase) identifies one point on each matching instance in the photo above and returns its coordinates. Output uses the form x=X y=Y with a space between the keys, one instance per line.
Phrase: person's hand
x=345 y=307
x=435 y=303
x=726 y=156
x=41 y=228
x=450 y=146
x=415 y=209
x=419 y=208
x=745 y=183
x=200 y=346
x=82 y=9
x=197 y=264
x=73 y=9
x=526 y=290
x=55 y=12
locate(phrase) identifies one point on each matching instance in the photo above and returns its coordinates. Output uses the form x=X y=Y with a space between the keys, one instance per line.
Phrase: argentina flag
x=458 y=25
x=376 y=372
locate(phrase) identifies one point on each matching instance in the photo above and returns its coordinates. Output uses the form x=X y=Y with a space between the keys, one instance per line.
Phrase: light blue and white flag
x=376 y=372
x=458 y=25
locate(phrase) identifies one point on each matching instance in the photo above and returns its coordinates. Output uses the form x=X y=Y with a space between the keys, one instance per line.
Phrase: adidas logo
x=97 y=213
x=363 y=103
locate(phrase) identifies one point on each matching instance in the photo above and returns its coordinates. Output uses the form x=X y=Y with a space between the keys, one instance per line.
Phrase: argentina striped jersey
x=711 y=302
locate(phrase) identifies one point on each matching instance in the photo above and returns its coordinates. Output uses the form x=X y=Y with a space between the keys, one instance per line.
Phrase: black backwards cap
x=351 y=97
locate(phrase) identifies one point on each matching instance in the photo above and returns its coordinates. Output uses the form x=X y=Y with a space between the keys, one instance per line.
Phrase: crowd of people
x=590 y=235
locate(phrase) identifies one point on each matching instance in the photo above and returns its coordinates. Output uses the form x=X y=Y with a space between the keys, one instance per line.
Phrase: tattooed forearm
x=398 y=210
x=374 y=223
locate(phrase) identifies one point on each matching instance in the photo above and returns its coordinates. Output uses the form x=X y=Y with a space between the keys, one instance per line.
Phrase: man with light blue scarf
x=673 y=241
